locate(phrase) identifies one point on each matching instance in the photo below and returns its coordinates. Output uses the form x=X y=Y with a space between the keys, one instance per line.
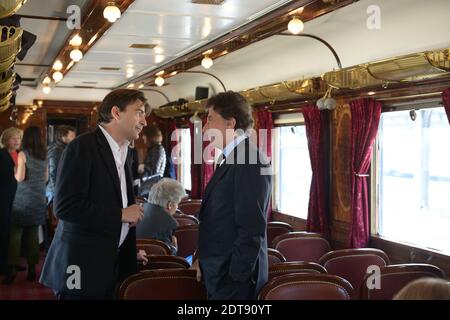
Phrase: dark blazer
x=157 y=224
x=233 y=219
x=88 y=203
x=8 y=185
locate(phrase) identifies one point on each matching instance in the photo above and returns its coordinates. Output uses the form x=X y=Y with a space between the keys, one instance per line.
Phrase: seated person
x=158 y=222
x=425 y=289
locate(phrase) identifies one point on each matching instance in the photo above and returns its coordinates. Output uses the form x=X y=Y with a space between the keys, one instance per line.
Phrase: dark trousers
x=29 y=235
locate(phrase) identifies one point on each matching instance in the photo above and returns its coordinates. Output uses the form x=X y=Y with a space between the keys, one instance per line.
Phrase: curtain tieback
x=361 y=174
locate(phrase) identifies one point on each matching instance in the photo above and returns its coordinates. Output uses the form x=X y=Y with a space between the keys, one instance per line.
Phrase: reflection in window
x=414 y=188
x=293 y=170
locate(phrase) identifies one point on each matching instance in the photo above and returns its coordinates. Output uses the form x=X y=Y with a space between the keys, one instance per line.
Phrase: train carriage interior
x=350 y=101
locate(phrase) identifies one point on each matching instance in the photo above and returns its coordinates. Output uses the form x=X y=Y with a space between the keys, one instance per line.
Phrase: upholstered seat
x=275 y=256
x=276 y=228
x=169 y=284
x=353 y=264
x=304 y=286
x=165 y=262
x=153 y=247
x=187 y=239
x=394 y=277
x=185 y=219
x=191 y=207
x=302 y=246
x=283 y=268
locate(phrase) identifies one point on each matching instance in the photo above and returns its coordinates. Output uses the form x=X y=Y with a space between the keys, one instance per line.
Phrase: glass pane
x=415 y=178
x=294 y=170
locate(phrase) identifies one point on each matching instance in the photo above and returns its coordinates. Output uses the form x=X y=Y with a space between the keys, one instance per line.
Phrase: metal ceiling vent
x=210 y=2
x=143 y=45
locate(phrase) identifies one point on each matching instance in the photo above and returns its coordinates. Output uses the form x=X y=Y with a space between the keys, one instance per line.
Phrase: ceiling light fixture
x=141 y=85
x=111 y=12
x=76 y=41
x=159 y=81
x=207 y=62
x=46 y=80
x=57 y=66
x=46 y=89
x=296 y=25
x=57 y=76
x=76 y=55
x=326 y=102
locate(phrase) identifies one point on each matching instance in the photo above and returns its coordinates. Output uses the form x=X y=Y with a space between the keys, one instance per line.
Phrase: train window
x=292 y=170
x=414 y=178
x=184 y=163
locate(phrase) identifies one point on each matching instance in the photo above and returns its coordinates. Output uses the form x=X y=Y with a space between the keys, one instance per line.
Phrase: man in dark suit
x=95 y=243
x=232 y=252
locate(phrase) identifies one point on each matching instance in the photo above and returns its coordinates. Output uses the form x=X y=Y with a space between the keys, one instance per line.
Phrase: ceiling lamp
x=159 y=81
x=76 y=55
x=57 y=66
x=207 y=62
x=296 y=25
x=111 y=12
x=57 y=76
x=46 y=80
x=46 y=89
x=76 y=41
x=141 y=85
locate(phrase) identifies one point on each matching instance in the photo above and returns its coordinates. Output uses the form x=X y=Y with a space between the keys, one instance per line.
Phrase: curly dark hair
x=231 y=104
x=120 y=98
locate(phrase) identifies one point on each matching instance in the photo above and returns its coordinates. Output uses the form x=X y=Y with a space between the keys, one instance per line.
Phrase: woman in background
x=29 y=208
x=155 y=161
x=10 y=141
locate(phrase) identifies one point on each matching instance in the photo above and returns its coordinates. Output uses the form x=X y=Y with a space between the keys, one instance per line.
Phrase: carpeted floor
x=22 y=289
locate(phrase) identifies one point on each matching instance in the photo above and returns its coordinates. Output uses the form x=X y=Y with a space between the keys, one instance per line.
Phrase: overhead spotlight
x=111 y=12
x=46 y=89
x=57 y=66
x=131 y=85
x=296 y=25
x=46 y=80
x=57 y=76
x=76 y=55
x=173 y=73
x=76 y=41
x=141 y=86
x=207 y=62
x=159 y=81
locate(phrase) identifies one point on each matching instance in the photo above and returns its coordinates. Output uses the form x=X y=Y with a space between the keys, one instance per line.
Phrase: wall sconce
x=111 y=12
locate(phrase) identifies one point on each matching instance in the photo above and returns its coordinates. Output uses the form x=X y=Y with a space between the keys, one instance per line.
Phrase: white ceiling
x=407 y=26
x=175 y=26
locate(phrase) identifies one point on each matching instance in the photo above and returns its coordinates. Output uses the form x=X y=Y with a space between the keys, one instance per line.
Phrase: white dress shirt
x=229 y=148
x=120 y=155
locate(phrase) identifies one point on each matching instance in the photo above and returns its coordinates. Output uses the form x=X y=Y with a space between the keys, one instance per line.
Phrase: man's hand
x=142 y=256
x=133 y=214
x=196 y=267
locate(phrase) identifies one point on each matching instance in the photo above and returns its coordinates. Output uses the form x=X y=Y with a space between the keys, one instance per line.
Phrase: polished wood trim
x=298 y=224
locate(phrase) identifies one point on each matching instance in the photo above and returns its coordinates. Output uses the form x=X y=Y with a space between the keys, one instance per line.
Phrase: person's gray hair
x=166 y=190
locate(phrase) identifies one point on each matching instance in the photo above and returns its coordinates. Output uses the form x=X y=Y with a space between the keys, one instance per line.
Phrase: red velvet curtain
x=315 y=123
x=202 y=172
x=173 y=141
x=446 y=101
x=365 y=120
x=264 y=121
